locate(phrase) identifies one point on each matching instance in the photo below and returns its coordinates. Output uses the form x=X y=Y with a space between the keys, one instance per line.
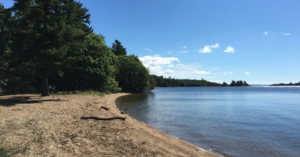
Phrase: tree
x=97 y=69
x=118 y=49
x=225 y=84
x=6 y=23
x=232 y=83
x=152 y=82
x=48 y=35
x=133 y=76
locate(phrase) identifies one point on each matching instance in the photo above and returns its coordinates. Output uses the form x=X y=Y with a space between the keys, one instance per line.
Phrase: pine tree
x=118 y=49
x=48 y=35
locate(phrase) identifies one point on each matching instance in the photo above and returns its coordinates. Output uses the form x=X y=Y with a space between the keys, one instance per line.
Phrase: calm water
x=237 y=121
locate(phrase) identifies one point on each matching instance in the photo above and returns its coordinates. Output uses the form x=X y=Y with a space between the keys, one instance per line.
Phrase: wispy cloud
x=157 y=60
x=285 y=33
x=196 y=50
x=169 y=52
x=266 y=32
x=184 y=47
x=215 y=46
x=171 y=66
x=229 y=49
x=186 y=51
x=201 y=72
x=147 y=49
x=168 y=71
x=207 y=48
x=247 y=73
x=227 y=73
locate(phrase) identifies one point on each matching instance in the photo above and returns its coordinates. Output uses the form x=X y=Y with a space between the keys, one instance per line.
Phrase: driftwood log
x=105 y=108
x=97 y=118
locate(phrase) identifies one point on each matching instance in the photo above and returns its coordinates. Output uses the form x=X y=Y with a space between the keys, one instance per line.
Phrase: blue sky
x=218 y=40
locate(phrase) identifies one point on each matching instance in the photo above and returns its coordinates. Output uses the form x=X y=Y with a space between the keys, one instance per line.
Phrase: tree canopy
x=47 y=35
x=118 y=49
x=131 y=71
x=49 y=43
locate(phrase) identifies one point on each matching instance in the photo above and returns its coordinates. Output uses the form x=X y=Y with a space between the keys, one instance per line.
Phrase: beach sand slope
x=52 y=126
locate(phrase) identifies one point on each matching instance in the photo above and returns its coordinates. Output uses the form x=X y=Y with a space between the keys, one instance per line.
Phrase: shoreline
x=202 y=149
x=51 y=126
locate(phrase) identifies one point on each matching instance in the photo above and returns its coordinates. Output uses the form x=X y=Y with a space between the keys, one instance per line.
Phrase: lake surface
x=233 y=121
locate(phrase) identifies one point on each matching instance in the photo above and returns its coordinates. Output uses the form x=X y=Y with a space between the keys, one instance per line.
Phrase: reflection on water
x=239 y=121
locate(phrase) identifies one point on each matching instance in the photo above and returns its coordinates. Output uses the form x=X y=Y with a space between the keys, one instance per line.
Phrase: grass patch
x=3 y=152
x=90 y=92
x=7 y=152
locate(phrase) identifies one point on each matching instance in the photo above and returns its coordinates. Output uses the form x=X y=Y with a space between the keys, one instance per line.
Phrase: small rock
x=122 y=112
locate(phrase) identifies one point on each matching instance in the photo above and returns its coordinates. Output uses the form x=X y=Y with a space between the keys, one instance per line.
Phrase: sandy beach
x=52 y=126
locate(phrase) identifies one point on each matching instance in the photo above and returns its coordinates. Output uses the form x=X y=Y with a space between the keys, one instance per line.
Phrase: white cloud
x=201 y=72
x=169 y=52
x=147 y=49
x=207 y=48
x=247 y=73
x=183 y=51
x=196 y=50
x=170 y=66
x=286 y=33
x=227 y=73
x=157 y=60
x=168 y=71
x=266 y=32
x=229 y=49
x=184 y=47
x=215 y=46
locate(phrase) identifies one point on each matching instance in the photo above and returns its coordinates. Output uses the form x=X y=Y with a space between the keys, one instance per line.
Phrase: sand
x=52 y=126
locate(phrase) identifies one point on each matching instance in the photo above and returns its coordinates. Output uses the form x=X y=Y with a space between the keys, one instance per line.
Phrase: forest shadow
x=13 y=101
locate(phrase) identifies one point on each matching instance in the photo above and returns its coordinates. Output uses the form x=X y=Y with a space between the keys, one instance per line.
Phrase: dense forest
x=286 y=84
x=160 y=81
x=49 y=45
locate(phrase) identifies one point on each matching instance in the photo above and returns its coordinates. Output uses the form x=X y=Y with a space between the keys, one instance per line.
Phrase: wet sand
x=52 y=126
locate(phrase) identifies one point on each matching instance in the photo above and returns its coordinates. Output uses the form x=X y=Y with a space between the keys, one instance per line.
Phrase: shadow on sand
x=23 y=100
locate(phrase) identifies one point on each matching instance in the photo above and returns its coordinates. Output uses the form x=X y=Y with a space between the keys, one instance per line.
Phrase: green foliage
x=89 y=92
x=4 y=152
x=47 y=36
x=171 y=82
x=98 y=67
x=6 y=23
x=49 y=45
x=224 y=84
x=238 y=83
x=132 y=75
x=24 y=84
x=152 y=82
x=286 y=84
x=118 y=49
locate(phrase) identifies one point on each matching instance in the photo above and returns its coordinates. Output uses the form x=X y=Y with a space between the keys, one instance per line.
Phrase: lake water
x=232 y=121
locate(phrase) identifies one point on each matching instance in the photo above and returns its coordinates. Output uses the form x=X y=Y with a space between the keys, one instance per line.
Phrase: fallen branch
x=97 y=118
x=105 y=108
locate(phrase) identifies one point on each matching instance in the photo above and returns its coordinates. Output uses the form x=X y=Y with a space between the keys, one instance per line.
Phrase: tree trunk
x=45 y=86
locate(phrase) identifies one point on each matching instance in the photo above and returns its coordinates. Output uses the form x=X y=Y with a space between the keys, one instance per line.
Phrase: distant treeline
x=160 y=81
x=287 y=84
